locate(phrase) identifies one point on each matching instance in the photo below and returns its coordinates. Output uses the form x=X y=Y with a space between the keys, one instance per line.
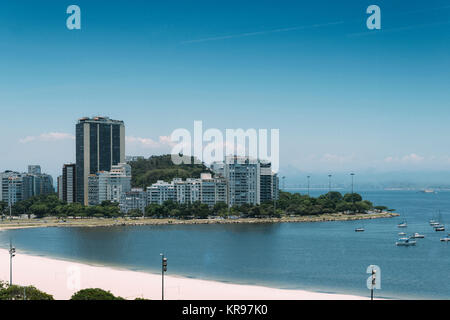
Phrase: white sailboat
x=403 y=224
x=440 y=226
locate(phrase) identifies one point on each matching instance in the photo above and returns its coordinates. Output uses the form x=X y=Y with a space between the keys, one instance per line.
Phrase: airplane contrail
x=249 y=34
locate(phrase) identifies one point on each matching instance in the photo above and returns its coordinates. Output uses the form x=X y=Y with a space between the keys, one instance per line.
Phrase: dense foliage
x=3 y=205
x=288 y=204
x=297 y=204
x=147 y=171
x=15 y=292
x=94 y=294
x=50 y=205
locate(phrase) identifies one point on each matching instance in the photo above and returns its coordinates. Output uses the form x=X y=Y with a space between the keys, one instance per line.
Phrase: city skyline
x=344 y=98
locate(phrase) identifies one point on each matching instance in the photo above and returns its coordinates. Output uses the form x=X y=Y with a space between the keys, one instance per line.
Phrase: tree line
x=288 y=204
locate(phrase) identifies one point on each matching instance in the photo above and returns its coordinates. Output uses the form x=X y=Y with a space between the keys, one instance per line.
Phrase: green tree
x=15 y=292
x=39 y=210
x=3 y=206
x=94 y=294
x=380 y=208
x=219 y=207
x=135 y=213
x=352 y=197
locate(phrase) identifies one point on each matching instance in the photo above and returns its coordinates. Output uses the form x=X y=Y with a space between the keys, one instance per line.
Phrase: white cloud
x=413 y=158
x=335 y=158
x=149 y=143
x=409 y=158
x=51 y=136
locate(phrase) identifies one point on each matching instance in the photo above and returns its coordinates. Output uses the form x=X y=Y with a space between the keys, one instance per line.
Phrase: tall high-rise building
x=100 y=144
x=68 y=183
x=34 y=169
x=59 y=187
x=269 y=183
x=249 y=181
x=243 y=177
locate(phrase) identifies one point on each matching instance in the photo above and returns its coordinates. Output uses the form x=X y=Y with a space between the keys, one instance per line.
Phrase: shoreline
x=110 y=222
x=62 y=278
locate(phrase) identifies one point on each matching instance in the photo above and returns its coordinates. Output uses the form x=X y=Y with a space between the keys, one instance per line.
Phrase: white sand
x=62 y=278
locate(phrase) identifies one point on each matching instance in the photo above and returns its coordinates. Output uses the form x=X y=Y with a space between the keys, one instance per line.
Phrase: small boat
x=360 y=230
x=402 y=225
x=434 y=223
x=402 y=234
x=405 y=242
x=439 y=228
x=446 y=239
x=417 y=236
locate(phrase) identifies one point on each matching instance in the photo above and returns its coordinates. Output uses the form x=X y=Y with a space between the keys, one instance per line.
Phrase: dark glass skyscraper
x=100 y=143
x=69 y=183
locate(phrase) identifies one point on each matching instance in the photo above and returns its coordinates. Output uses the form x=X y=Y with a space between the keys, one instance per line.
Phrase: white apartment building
x=135 y=199
x=109 y=185
x=17 y=186
x=213 y=190
x=243 y=177
x=160 y=192
x=206 y=190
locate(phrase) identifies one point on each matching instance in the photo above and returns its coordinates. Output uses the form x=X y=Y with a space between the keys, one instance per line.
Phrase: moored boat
x=402 y=225
x=405 y=242
x=417 y=236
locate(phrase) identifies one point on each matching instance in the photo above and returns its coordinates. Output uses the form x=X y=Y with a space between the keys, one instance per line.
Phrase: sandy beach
x=62 y=278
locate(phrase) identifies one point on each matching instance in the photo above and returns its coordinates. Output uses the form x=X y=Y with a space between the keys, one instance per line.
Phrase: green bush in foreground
x=94 y=294
x=15 y=292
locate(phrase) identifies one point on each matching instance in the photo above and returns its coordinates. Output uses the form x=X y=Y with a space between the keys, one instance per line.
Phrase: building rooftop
x=99 y=119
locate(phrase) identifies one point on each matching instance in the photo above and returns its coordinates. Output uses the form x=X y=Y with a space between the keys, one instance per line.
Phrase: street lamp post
x=163 y=270
x=12 y=253
x=329 y=183
x=353 y=198
x=374 y=279
x=274 y=204
x=308 y=184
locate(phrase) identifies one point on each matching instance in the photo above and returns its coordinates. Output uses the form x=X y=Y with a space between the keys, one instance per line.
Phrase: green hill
x=147 y=171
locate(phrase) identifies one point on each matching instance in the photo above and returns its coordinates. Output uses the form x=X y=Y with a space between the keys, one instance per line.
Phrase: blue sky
x=345 y=98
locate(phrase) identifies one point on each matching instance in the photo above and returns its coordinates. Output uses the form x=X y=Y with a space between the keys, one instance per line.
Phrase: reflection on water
x=327 y=256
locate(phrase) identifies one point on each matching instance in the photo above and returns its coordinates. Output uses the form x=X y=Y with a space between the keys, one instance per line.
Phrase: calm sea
x=324 y=257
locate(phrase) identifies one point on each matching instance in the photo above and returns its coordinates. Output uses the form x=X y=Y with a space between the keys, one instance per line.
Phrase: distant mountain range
x=416 y=180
